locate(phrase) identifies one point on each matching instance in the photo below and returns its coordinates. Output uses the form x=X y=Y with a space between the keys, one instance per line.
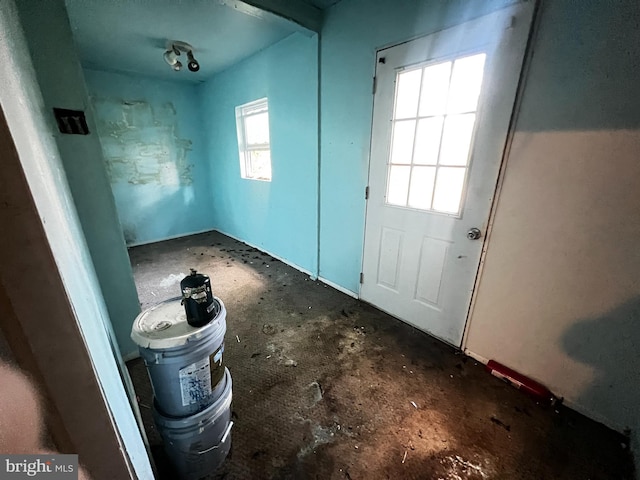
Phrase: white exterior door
x=442 y=108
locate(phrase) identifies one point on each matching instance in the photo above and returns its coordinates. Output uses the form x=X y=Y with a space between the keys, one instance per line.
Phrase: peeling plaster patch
x=141 y=142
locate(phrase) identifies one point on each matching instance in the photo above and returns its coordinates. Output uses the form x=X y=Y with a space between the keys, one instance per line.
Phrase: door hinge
x=375 y=84
x=366 y=192
x=361 y=278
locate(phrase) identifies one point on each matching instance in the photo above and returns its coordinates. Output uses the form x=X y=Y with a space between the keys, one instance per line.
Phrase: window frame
x=247 y=110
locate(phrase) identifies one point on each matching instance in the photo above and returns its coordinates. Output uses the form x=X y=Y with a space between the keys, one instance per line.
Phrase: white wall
x=559 y=294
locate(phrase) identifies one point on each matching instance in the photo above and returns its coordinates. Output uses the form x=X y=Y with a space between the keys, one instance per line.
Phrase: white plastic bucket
x=198 y=445
x=184 y=362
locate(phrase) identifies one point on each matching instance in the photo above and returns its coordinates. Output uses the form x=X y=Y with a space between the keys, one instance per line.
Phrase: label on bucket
x=195 y=382
x=217 y=367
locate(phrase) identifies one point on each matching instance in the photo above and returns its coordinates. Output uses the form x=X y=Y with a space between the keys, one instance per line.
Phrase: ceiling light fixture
x=174 y=50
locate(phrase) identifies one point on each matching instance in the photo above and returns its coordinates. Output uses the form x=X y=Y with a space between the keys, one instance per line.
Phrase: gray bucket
x=184 y=362
x=198 y=445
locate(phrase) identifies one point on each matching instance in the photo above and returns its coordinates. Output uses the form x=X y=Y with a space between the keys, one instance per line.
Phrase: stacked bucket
x=182 y=341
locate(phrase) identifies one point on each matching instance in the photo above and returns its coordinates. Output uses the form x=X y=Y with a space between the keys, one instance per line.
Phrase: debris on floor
x=313 y=394
x=171 y=280
x=346 y=411
x=500 y=423
x=268 y=329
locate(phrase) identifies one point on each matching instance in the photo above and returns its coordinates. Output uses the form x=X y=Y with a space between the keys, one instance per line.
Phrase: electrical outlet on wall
x=71 y=122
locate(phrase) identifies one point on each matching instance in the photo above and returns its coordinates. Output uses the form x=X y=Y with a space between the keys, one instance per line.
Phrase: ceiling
x=131 y=35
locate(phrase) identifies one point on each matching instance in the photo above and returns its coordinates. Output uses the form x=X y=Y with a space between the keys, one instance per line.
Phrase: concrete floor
x=327 y=387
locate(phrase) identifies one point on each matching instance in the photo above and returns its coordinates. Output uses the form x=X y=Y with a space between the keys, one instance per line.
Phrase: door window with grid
x=252 y=122
x=433 y=124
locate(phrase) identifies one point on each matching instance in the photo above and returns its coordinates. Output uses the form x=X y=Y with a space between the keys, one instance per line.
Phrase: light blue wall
x=352 y=32
x=278 y=216
x=63 y=85
x=152 y=141
x=40 y=69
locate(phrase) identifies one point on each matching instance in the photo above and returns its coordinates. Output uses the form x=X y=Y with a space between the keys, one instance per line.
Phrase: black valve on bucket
x=197 y=298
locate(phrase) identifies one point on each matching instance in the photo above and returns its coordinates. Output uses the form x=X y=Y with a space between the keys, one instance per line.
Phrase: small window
x=252 y=121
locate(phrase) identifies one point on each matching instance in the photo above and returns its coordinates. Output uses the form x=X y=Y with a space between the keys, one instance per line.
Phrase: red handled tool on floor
x=538 y=391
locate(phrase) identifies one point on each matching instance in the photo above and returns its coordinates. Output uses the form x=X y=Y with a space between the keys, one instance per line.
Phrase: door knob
x=474 y=233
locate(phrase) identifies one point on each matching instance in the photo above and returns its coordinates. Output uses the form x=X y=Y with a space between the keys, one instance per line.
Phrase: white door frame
x=526 y=63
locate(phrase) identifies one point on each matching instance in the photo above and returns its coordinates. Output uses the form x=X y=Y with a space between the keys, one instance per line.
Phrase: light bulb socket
x=170 y=57
x=193 y=64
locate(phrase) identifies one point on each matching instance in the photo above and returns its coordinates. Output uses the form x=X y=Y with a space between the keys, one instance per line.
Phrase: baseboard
x=171 y=237
x=306 y=271
x=568 y=402
x=475 y=356
x=338 y=287
x=131 y=356
x=277 y=257
x=293 y=265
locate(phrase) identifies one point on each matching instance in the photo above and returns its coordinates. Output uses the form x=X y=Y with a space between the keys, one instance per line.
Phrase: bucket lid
x=165 y=326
